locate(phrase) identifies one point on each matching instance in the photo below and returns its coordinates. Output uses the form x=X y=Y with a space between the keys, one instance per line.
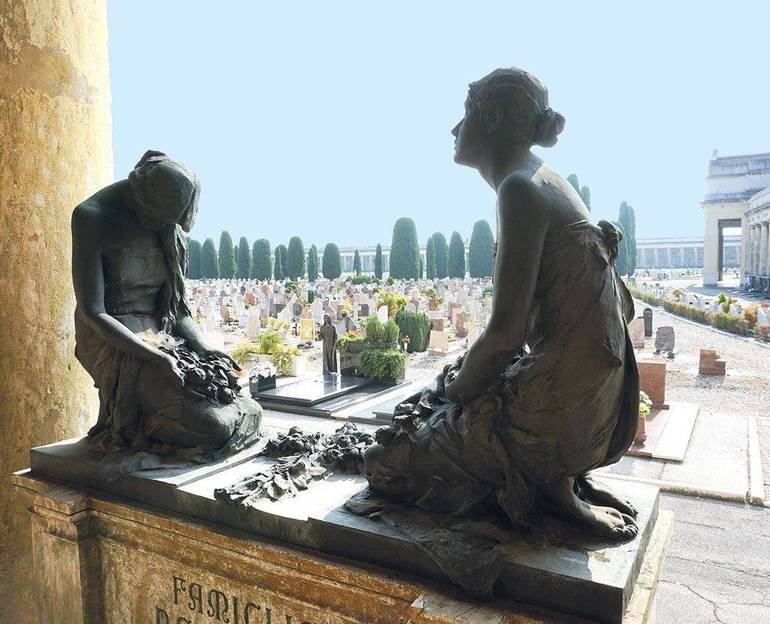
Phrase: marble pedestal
x=102 y=559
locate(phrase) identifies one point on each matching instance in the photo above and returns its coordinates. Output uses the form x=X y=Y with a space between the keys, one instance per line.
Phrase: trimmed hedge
x=382 y=364
x=719 y=320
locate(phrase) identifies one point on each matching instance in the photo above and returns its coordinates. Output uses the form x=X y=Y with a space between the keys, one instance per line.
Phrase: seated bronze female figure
x=550 y=389
x=129 y=260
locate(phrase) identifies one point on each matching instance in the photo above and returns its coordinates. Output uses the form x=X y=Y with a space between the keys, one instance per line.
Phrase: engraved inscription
x=194 y=603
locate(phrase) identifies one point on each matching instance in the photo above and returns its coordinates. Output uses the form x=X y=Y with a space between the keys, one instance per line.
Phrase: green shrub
x=363 y=279
x=380 y=335
x=391 y=332
x=417 y=327
x=344 y=341
x=731 y=323
x=269 y=341
x=394 y=301
x=648 y=298
x=282 y=358
x=382 y=364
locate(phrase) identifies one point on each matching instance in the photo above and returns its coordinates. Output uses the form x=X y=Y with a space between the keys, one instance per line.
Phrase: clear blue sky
x=329 y=120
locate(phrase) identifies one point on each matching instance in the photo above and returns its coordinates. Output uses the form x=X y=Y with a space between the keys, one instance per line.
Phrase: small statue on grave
x=161 y=387
x=329 y=338
x=550 y=389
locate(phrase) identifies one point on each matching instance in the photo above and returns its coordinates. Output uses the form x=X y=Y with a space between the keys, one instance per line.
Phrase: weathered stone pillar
x=55 y=150
x=764 y=249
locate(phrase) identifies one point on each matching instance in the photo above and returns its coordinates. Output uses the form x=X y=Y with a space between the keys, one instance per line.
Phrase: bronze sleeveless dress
x=565 y=404
x=139 y=409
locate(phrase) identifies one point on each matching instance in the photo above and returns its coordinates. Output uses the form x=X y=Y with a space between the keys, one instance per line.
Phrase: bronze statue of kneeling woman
x=550 y=389
x=161 y=388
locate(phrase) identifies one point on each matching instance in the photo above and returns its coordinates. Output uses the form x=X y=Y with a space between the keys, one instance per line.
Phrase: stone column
x=764 y=270
x=55 y=150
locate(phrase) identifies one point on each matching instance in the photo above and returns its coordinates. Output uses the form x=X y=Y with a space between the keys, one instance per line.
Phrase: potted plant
x=262 y=377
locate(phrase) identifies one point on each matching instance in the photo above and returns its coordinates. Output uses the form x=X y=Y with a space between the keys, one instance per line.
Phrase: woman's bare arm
x=523 y=227
x=88 y=280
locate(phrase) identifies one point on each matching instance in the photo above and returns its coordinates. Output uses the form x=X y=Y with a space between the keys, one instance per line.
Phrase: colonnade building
x=651 y=253
x=737 y=197
x=756 y=271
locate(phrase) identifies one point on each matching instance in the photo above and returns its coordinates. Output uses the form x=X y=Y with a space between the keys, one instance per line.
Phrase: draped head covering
x=166 y=196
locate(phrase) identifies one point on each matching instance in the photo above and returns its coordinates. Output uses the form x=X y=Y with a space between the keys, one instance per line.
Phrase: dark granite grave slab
x=382 y=412
x=313 y=390
x=340 y=395
x=568 y=571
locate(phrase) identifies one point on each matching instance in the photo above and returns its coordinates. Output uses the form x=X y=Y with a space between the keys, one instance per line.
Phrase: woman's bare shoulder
x=520 y=198
x=94 y=212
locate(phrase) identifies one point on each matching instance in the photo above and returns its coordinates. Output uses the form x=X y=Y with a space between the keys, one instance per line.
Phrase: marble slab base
x=102 y=559
x=568 y=571
x=668 y=432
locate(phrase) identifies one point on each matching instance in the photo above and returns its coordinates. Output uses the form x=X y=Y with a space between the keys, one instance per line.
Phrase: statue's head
x=327 y=319
x=165 y=192
x=506 y=109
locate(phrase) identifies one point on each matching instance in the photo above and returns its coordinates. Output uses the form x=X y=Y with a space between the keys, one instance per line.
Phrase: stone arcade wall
x=55 y=150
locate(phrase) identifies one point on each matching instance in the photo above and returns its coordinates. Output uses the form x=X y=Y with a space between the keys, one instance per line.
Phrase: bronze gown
x=566 y=404
x=139 y=409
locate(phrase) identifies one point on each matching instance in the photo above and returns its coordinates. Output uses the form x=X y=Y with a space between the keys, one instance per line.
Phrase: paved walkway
x=717 y=569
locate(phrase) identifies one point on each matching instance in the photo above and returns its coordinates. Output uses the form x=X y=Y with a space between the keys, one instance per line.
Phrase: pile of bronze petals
x=213 y=376
x=303 y=458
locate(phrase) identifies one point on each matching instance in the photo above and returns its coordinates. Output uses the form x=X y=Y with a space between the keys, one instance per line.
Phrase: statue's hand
x=173 y=373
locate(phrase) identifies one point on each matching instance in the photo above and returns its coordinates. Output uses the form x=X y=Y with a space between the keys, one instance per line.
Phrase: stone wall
x=55 y=150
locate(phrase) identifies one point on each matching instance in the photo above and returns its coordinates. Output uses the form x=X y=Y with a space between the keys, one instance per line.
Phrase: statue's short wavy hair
x=513 y=88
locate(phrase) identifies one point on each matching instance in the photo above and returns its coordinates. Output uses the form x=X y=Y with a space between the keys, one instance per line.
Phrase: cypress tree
x=480 y=259
x=312 y=264
x=284 y=251
x=331 y=262
x=584 y=192
x=243 y=259
x=627 y=219
x=193 y=259
x=404 y=250
x=430 y=256
x=261 y=260
x=456 y=256
x=621 y=262
x=226 y=256
x=357 y=263
x=378 y=262
x=295 y=267
x=277 y=265
x=442 y=255
x=209 y=260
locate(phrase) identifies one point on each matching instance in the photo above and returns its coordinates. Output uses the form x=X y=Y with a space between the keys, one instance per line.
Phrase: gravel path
x=745 y=390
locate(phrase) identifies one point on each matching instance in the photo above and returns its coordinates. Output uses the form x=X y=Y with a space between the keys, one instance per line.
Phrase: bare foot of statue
x=561 y=499
x=593 y=491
